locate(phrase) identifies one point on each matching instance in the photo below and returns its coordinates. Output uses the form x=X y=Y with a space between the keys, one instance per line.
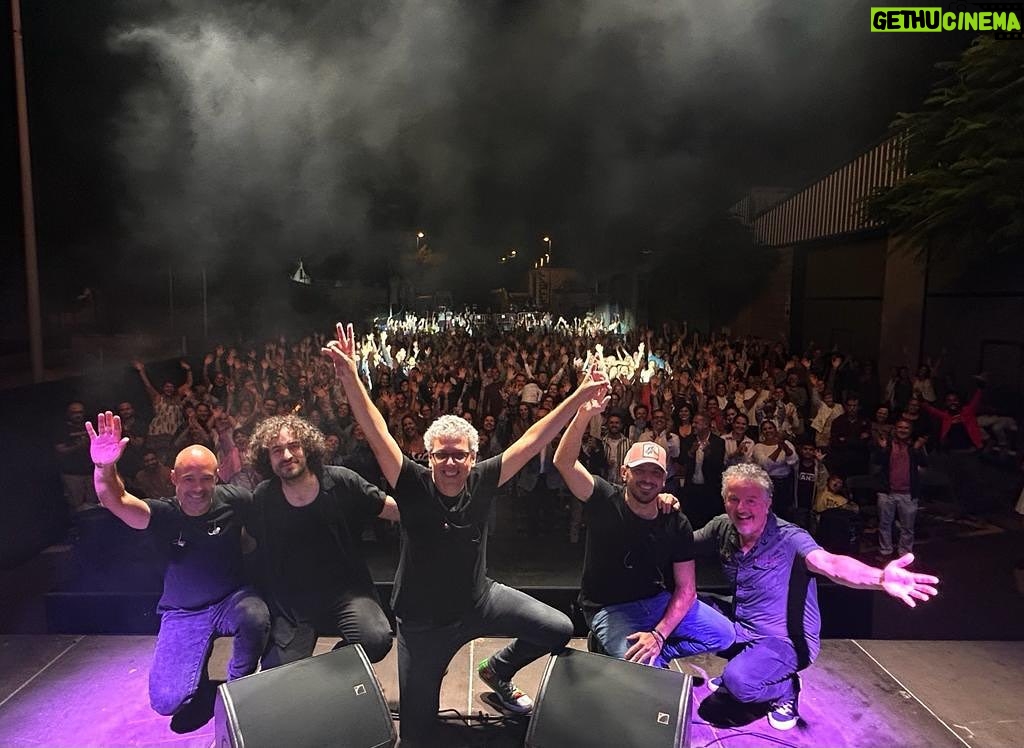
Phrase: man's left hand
x=906 y=585
x=667 y=503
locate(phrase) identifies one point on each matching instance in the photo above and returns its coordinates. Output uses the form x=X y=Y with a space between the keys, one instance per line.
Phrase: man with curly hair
x=770 y=564
x=307 y=521
x=442 y=597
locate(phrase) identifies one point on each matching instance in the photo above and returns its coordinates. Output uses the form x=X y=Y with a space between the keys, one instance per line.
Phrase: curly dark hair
x=267 y=432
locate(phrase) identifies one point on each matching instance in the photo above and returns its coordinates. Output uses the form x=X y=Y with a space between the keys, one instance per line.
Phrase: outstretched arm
x=577 y=478
x=106 y=445
x=894 y=578
x=513 y=459
x=342 y=353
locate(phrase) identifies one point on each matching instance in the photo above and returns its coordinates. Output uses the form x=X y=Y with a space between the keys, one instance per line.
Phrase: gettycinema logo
x=1002 y=20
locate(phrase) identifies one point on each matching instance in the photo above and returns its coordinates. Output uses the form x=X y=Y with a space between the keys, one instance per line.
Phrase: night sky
x=245 y=135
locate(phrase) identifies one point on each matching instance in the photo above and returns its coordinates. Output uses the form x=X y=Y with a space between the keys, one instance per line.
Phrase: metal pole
x=170 y=294
x=206 y=317
x=35 y=321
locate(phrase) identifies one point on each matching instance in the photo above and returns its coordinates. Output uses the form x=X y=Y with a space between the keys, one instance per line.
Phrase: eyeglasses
x=442 y=457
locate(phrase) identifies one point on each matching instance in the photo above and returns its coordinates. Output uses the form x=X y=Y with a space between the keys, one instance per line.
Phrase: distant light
x=513 y=253
x=420 y=234
x=547 y=239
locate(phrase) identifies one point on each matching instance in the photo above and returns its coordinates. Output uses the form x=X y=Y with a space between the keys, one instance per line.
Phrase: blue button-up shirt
x=773 y=593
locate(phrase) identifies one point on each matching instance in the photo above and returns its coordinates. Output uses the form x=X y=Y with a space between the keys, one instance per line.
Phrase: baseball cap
x=646 y=452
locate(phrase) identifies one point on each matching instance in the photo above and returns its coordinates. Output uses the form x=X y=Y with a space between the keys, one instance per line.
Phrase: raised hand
x=106 y=445
x=342 y=351
x=906 y=585
x=594 y=405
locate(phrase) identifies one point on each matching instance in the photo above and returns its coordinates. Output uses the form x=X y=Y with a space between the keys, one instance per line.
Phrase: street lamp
x=419 y=235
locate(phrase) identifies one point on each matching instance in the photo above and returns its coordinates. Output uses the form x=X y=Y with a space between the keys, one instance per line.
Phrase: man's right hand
x=106 y=445
x=342 y=351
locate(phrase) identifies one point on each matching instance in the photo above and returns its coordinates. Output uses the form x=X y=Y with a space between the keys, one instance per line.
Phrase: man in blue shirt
x=770 y=564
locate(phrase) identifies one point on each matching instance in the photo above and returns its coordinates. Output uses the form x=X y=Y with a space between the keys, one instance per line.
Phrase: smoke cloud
x=274 y=131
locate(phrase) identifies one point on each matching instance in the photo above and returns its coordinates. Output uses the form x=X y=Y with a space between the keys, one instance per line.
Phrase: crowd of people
x=823 y=425
x=551 y=397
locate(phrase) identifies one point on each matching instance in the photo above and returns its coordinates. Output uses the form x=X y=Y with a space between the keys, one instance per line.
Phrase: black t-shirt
x=627 y=557
x=806 y=482
x=76 y=461
x=310 y=555
x=442 y=568
x=204 y=554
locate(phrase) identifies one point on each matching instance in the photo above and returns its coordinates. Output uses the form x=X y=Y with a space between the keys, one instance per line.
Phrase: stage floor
x=58 y=690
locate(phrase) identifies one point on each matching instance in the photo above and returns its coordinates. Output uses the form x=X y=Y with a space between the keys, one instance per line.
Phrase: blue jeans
x=424 y=651
x=891 y=505
x=186 y=638
x=703 y=629
x=762 y=671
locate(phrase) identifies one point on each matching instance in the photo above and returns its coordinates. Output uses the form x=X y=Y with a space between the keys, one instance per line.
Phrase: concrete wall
x=974 y=319
x=768 y=314
x=902 y=308
x=839 y=301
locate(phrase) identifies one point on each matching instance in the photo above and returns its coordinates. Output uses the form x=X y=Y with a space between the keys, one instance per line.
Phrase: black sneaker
x=511 y=698
x=195 y=713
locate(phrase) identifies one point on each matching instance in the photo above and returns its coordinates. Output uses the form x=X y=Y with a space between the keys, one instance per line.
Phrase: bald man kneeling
x=199 y=530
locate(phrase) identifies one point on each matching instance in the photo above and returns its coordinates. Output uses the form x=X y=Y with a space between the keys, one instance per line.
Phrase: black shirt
x=627 y=557
x=204 y=554
x=310 y=555
x=806 y=483
x=443 y=564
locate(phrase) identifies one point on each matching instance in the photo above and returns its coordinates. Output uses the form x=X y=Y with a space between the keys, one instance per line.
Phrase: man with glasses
x=442 y=597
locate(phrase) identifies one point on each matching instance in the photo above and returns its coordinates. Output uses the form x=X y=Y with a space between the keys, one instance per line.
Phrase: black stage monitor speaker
x=332 y=699
x=589 y=700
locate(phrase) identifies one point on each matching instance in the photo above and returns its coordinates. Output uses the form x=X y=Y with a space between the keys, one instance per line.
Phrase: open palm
x=106 y=445
x=906 y=585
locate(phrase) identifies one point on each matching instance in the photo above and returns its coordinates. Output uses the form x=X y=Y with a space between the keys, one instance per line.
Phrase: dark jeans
x=186 y=638
x=357 y=619
x=424 y=651
x=761 y=671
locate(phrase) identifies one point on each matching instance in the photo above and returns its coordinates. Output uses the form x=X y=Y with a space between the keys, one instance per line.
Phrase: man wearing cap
x=635 y=612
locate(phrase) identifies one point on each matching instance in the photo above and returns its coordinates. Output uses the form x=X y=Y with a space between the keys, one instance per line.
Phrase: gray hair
x=746 y=472
x=454 y=427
